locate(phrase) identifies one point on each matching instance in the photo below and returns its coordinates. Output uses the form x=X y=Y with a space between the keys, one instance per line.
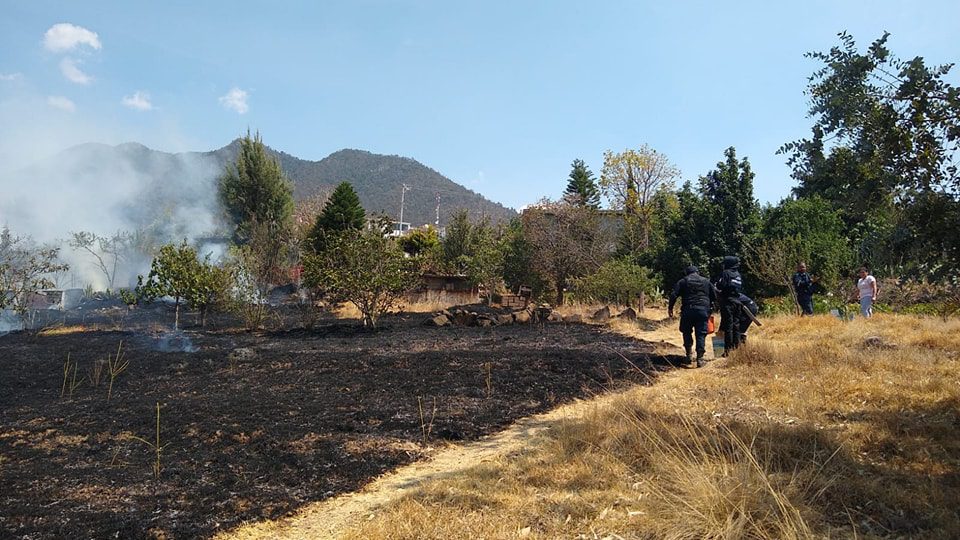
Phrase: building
x=444 y=289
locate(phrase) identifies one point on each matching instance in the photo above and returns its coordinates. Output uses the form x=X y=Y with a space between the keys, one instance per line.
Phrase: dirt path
x=331 y=517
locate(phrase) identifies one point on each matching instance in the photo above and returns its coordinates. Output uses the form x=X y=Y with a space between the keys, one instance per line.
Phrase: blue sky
x=498 y=96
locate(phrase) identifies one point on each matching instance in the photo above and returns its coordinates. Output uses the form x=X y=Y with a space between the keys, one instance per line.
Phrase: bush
x=363 y=268
x=618 y=281
x=822 y=304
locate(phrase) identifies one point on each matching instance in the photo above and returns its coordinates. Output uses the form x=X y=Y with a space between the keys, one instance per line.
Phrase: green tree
x=884 y=142
x=178 y=272
x=818 y=230
x=474 y=249
x=364 y=268
x=424 y=245
x=457 y=243
x=582 y=186
x=484 y=261
x=342 y=212
x=421 y=242
x=619 y=281
x=688 y=237
x=732 y=210
x=518 y=265
x=255 y=192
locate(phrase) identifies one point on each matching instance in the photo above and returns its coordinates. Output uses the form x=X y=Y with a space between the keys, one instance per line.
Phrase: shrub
x=618 y=281
x=363 y=268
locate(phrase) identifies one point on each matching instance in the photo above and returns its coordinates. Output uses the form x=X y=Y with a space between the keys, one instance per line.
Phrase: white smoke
x=52 y=187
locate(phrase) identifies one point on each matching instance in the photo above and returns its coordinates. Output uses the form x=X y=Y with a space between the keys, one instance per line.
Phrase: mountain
x=102 y=188
x=378 y=180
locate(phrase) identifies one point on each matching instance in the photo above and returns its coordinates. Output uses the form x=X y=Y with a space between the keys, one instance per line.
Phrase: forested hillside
x=378 y=180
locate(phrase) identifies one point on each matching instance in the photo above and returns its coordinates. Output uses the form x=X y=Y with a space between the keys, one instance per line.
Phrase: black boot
x=689 y=355
x=700 y=361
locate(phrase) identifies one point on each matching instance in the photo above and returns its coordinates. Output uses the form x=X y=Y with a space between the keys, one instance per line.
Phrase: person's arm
x=673 y=298
x=876 y=289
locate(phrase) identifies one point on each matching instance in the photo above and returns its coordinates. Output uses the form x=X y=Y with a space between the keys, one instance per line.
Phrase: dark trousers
x=806 y=303
x=745 y=323
x=730 y=323
x=694 y=320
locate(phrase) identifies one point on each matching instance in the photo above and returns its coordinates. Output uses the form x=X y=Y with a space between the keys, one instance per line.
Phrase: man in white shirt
x=867 y=288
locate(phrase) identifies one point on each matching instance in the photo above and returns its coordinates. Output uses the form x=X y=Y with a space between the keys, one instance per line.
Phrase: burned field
x=254 y=425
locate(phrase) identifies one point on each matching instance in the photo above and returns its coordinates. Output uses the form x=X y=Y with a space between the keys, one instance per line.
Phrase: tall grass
x=811 y=430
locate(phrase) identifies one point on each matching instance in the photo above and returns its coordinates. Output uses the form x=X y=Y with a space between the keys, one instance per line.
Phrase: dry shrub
x=810 y=430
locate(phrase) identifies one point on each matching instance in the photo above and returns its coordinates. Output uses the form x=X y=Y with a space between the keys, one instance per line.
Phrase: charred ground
x=297 y=416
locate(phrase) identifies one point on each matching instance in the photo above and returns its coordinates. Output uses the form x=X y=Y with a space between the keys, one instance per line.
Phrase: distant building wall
x=61 y=299
x=449 y=289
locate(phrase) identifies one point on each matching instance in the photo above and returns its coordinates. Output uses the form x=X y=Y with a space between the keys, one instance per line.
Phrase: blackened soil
x=311 y=414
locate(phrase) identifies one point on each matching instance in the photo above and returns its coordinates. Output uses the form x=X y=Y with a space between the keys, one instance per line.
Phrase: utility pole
x=403 y=190
x=437 y=222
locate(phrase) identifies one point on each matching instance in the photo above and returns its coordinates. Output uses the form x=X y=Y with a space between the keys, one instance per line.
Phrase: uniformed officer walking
x=730 y=286
x=697 y=294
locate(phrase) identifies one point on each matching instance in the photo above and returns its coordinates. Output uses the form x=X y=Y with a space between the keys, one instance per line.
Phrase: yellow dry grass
x=60 y=330
x=350 y=311
x=817 y=428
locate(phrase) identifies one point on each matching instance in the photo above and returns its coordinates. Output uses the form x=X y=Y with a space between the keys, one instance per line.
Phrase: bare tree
x=305 y=213
x=567 y=241
x=630 y=180
x=109 y=253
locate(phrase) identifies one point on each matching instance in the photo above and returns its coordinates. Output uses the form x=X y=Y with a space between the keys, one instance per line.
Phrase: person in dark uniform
x=730 y=286
x=803 y=285
x=746 y=320
x=698 y=295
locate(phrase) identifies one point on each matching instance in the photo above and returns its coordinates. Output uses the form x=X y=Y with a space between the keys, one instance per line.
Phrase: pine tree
x=582 y=186
x=342 y=212
x=255 y=192
x=734 y=212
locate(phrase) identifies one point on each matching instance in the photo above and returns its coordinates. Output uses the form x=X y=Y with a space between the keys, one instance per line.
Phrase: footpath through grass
x=817 y=428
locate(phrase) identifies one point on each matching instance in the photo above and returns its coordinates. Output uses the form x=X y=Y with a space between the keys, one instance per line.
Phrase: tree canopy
x=883 y=151
x=342 y=212
x=365 y=268
x=254 y=191
x=581 y=185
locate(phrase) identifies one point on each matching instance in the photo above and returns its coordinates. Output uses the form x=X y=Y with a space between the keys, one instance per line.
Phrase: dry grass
x=423 y=307
x=350 y=311
x=346 y=311
x=806 y=432
x=60 y=330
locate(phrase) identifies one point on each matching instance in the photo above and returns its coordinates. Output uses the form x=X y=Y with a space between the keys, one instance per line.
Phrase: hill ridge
x=378 y=178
